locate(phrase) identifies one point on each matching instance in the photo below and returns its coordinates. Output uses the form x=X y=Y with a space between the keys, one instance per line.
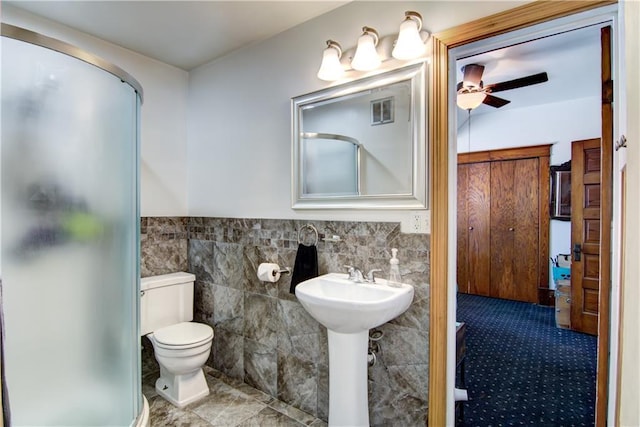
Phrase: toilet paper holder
x=285 y=270
x=271 y=272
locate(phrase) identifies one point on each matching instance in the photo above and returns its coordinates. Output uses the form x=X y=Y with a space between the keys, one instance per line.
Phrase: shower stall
x=70 y=236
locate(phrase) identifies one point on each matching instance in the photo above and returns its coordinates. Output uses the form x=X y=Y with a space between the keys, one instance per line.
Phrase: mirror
x=362 y=144
x=560 y=201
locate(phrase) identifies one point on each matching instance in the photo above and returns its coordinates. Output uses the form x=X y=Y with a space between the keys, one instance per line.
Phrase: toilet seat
x=183 y=335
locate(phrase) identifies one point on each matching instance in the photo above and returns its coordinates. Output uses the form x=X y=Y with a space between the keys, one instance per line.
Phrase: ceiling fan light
x=409 y=44
x=366 y=57
x=470 y=100
x=331 y=69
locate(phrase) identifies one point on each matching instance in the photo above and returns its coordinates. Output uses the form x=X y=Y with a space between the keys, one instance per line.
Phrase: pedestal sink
x=348 y=310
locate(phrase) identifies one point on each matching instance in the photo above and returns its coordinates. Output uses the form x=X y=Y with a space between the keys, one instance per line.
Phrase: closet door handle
x=511 y=229
x=470 y=228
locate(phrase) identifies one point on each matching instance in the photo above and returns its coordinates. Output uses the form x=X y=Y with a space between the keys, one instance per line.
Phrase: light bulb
x=470 y=100
x=331 y=69
x=409 y=44
x=366 y=57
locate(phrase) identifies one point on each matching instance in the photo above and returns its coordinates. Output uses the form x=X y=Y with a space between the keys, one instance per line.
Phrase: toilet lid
x=184 y=333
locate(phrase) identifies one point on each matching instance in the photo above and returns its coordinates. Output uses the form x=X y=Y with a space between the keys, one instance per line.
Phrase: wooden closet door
x=462 y=260
x=474 y=213
x=514 y=229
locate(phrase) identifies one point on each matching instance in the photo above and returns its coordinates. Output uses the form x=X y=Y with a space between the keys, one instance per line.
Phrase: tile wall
x=264 y=337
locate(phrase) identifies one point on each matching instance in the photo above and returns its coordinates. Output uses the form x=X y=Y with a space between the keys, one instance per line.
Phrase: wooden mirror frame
x=510 y=20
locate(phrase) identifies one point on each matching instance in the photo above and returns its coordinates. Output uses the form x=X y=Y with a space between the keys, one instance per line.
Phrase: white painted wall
x=239 y=109
x=629 y=374
x=557 y=124
x=163 y=123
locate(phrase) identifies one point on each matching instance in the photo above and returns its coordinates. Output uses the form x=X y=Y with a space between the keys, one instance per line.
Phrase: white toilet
x=181 y=347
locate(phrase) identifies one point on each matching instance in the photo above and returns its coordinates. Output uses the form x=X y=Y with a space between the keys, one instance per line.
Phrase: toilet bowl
x=181 y=350
x=181 y=347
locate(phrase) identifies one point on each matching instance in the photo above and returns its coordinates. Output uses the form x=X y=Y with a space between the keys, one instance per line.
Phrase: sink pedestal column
x=348 y=396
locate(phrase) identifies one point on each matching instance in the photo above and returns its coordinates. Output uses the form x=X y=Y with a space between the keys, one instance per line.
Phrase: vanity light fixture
x=372 y=50
x=409 y=44
x=366 y=57
x=331 y=69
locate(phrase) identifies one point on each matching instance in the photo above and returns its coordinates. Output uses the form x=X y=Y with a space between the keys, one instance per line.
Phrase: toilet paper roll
x=268 y=272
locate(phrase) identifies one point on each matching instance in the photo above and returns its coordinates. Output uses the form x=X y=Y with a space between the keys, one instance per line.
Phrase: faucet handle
x=371 y=278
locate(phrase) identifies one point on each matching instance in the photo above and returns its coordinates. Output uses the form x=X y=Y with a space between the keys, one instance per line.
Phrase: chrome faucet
x=355 y=274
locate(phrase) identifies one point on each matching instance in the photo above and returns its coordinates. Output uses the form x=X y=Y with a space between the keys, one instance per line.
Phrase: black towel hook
x=315 y=232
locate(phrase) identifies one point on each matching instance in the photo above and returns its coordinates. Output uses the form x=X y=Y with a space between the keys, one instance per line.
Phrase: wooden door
x=585 y=235
x=474 y=211
x=515 y=229
x=606 y=218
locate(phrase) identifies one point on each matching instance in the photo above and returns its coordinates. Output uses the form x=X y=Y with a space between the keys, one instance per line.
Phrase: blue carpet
x=522 y=370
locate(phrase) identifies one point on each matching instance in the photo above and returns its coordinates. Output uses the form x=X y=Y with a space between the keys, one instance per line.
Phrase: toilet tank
x=165 y=300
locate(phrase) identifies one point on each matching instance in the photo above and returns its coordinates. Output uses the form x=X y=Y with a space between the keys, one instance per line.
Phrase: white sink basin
x=347 y=307
x=349 y=310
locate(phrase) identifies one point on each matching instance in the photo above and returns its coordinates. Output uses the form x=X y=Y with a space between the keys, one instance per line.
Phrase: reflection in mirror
x=362 y=144
x=342 y=155
x=560 y=201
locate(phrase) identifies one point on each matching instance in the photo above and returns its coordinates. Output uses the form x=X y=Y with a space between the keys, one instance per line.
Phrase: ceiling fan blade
x=494 y=101
x=516 y=83
x=472 y=74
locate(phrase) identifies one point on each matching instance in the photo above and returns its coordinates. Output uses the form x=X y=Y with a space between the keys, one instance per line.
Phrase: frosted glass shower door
x=69 y=240
x=331 y=165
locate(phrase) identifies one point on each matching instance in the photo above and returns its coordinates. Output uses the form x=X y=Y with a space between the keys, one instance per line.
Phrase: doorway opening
x=444 y=42
x=505 y=234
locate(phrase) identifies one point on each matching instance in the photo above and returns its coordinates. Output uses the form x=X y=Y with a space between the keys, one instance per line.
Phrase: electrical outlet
x=415 y=222
x=419 y=222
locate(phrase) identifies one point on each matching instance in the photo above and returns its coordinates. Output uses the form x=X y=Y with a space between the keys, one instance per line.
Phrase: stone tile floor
x=231 y=403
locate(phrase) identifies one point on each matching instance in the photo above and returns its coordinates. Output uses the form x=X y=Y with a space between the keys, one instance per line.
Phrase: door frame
x=443 y=159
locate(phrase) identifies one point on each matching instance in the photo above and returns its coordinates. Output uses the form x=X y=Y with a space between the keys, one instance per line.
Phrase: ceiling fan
x=472 y=92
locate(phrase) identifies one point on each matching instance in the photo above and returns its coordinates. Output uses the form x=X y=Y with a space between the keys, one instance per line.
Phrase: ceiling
x=185 y=34
x=571 y=60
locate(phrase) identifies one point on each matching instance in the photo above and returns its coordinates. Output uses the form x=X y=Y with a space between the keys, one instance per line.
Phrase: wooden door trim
x=543 y=230
x=606 y=219
x=505 y=154
x=510 y=20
